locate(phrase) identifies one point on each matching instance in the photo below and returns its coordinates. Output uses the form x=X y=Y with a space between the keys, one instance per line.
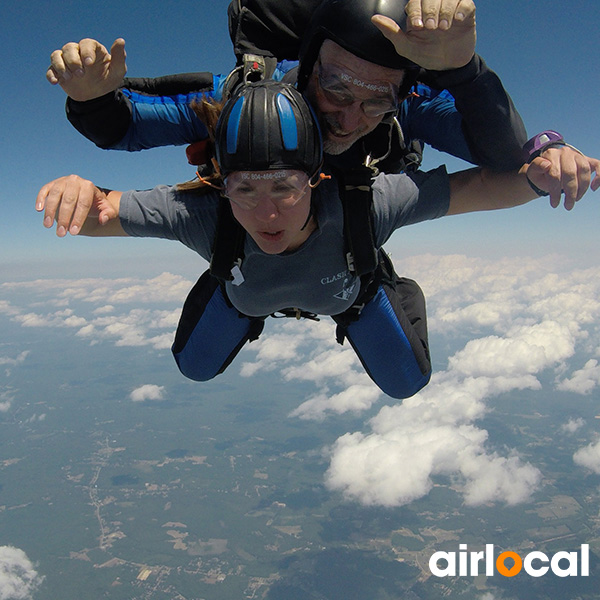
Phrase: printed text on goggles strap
x=283 y=187
x=334 y=84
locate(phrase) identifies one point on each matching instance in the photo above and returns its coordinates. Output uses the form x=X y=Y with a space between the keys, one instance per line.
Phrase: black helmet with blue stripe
x=268 y=125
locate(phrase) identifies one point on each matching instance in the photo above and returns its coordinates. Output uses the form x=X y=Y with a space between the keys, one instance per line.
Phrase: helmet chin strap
x=311 y=213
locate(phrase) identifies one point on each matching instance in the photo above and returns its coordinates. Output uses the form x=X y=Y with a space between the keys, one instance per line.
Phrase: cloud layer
x=523 y=325
x=122 y=311
x=504 y=326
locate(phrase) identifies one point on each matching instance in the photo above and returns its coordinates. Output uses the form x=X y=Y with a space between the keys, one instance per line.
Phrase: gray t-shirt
x=314 y=277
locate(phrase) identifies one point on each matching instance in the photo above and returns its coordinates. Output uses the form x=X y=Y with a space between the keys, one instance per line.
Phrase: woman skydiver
x=293 y=252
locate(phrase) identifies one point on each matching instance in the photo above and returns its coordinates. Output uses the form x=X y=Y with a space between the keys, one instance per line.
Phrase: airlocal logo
x=509 y=563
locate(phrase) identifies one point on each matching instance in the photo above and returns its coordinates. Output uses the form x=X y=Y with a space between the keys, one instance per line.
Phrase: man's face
x=350 y=95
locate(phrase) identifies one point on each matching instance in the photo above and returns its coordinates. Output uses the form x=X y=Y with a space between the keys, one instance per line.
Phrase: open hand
x=440 y=34
x=70 y=201
x=564 y=169
x=86 y=70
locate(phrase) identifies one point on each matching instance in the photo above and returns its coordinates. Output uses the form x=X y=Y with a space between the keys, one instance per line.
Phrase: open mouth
x=271 y=236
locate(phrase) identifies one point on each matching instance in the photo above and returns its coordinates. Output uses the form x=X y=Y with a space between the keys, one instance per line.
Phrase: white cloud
x=163 y=288
x=306 y=351
x=133 y=328
x=6 y=400
x=584 y=380
x=104 y=310
x=147 y=392
x=336 y=364
x=589 y=457
x=356 y=398
x=271 y=352
x=523 y=351
x=13 y=362
x=18 y=577
x=109 y=320
x=573 y=425
x=427 y=435
x=35 y=418
x=6 y=308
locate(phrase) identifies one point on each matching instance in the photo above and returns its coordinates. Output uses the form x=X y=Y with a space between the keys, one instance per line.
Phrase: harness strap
x=388 y=151
x=228 y=248
x=369 y=285
x=257 y=324
x=357 y=197
x=295 y=313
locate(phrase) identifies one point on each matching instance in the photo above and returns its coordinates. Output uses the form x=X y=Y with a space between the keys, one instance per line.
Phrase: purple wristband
x=538 y=143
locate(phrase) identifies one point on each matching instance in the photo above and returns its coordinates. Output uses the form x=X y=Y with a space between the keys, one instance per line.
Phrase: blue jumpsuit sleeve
x=475 y=119
x=160 y=121
x=135 y=118
x=150 y=112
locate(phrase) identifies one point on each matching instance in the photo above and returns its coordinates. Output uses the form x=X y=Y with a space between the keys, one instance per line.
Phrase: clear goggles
x=335 y=87
x=283 y=187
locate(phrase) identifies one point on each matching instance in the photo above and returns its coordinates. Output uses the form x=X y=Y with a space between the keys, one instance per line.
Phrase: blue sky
x=543 y=52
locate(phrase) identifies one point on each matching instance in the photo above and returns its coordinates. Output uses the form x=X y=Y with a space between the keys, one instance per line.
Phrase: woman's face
x=272 y=206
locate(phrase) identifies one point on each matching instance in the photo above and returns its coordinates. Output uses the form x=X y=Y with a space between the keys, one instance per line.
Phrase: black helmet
x=268 y=125
x=348 y=23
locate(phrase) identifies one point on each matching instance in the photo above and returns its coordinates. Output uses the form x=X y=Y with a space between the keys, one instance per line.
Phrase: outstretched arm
x=79 y=207
x=481 y=189
x=107 y=109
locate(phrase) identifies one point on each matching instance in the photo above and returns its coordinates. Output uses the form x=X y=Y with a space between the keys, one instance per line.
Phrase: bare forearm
x=481 y=189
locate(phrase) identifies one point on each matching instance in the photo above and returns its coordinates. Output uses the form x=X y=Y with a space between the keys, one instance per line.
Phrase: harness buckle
x=350 y=262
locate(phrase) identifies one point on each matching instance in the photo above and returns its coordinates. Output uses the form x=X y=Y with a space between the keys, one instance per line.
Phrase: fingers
x=438 y=14
x=594 y=165
x=58 y=70
x=73 y=59
x=68 y=201
x=575 y=179
x=540 y=173
x=118 y=55
x=572 y=171
x=387 y=26
x=86 y=70
x=108 y=211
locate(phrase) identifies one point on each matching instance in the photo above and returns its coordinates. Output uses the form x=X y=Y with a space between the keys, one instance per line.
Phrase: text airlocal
x=508 y=563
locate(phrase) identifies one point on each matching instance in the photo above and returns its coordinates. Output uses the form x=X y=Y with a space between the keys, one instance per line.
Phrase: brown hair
x=208 y=111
